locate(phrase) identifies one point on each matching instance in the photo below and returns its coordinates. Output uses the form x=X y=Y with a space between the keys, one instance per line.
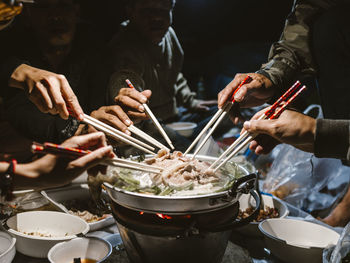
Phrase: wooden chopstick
x=249 y=137
x=217 y=118
x=147 y=137
x=50 y=148
x=153 y=118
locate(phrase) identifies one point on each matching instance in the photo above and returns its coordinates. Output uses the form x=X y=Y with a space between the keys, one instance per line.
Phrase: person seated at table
x=58 y=44
x=148 y=53
x=51 y=170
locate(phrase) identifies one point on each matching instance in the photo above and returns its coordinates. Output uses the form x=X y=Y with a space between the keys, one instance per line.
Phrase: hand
x=50 y=92
x=131 y=101
x=114 y=116
x=204 y=105
x=53 y=171
x=252 y=94
x=291 y=127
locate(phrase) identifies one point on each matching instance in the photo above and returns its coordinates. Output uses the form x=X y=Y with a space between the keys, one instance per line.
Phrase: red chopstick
x=52 y=148
x=246 y=80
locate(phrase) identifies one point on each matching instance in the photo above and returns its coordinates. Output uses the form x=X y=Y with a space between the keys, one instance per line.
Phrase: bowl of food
x=82 y=249
x=7 y=247
x=76 y=200
x=271 y=207
x=185 y=129
x=294 y=240
x=37 y=231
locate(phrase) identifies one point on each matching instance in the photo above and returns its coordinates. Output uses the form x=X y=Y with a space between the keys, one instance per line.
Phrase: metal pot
x=180 y=205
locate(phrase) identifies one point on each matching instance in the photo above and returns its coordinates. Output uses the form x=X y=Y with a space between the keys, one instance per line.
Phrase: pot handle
x=241 y=222
x=243 y=185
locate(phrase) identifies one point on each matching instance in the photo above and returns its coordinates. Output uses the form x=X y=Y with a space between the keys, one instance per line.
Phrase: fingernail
x=246 y=125
x=141 y=108
x=81 y=117
x=127 y=122
x=128 y=132
x=238 y=96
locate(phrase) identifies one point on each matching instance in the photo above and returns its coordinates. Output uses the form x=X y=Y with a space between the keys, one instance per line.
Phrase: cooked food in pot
x=180 y=176
x=267 y=212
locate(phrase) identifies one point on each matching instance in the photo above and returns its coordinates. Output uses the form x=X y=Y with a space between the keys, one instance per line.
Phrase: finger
x=227 y=92
x=130 y=103
x=112 y=120
x=41 y=90
x=119 y=112
x=97 y=139
x=92 y=159
x=147 y=93
x=71 y=99
x=260 y=126
x=137 y=115
x=245 y=89
x=54 y=90
x=134 y=94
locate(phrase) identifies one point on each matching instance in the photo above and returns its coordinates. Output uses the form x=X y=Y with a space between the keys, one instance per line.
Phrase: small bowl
x=294 y=240
x=183 y=128
x=59 y=225
x=252 y=229
x=92 y=248
x=7 y=247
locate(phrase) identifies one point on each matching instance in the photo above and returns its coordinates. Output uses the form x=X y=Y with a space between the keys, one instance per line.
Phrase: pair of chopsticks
x=118 y=135
x=51 y=148
x=154 y=119
x=215 y=121
x=245 y=138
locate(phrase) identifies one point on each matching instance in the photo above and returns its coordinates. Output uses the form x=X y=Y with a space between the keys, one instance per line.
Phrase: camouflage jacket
x=291 y=55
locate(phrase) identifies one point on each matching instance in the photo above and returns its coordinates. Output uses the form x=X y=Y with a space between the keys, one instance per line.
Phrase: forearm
x=184 y=95
x=7 y=67
x=332 y=139
x=291 y=55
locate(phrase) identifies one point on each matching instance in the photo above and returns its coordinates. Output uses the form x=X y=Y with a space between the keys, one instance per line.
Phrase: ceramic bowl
x=252 y=229
x=37 y=231
x=92 y=248
x=183 y=128
x=293 y=240
x=7 y=247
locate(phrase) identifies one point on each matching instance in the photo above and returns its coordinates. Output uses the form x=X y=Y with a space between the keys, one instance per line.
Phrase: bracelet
x=6 y=181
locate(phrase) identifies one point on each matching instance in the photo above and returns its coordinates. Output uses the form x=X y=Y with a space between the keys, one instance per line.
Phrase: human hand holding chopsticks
x=131 y=101
x=291 y=127
x=53 y=171
x=255 y=93
x=50 y=92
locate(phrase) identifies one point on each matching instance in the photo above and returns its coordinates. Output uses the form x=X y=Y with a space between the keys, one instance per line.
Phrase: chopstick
x=147 y=137
x=216 y=120
x=51 y=148
x=266 y=115
x=269 y=114
x=153 y=118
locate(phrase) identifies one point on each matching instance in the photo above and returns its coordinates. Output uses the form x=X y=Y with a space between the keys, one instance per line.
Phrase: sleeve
x=291 y=55
x=28 y=120
x=184 y=96
x=332 y=139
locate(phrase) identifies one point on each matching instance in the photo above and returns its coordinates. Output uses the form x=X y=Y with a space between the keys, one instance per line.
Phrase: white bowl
x=77 y=192
x=7 y=247
x=59 y=225
x=84 y=247
x=183 y=128
x=246 y=201
x=294 y=240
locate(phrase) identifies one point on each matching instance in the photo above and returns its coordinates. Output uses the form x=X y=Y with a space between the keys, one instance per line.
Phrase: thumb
x=94 y=158
x=259 y=126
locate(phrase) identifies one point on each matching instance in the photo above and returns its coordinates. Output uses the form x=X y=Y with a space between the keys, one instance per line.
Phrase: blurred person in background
x=148 y=53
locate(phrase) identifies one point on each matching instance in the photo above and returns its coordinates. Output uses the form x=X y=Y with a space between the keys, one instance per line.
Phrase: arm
x=184 y=96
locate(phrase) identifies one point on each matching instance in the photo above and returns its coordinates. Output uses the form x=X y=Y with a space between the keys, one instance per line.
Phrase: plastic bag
x=335 y=254
x=297 y=177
